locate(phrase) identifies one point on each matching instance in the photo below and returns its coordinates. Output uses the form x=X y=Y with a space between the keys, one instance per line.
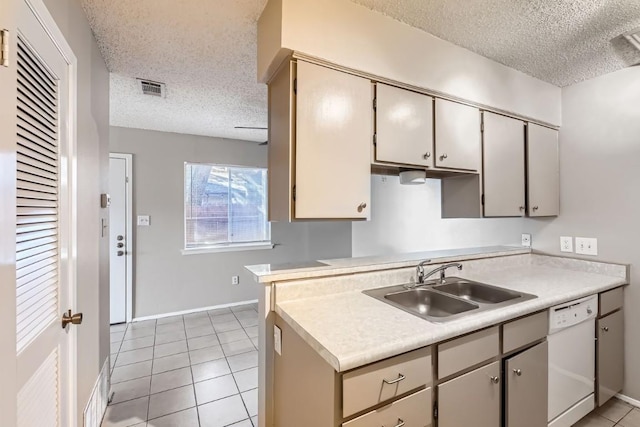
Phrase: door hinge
x=435 y=411
x=482 y=126
x=126 y=179
x=375 y=104
x=295 y=86
x=375 y=139
x=294 y=193
x=4 y=50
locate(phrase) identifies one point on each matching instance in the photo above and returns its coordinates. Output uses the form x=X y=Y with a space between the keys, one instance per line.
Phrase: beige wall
x=165 y=280
x=406 y=218
x=93 y=139
x=600 y=186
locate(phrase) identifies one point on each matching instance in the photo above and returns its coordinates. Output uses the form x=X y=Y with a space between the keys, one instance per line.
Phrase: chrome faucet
x=420 y=271
x=441 y=270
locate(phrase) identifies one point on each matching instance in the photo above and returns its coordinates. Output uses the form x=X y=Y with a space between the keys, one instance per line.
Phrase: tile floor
x=196 y=370
x=613 y=413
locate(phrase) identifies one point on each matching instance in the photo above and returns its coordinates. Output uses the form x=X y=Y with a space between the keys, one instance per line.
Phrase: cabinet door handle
x=535 y=208
x=444 y=156
x=495 y=380
x=400 y=423
x=361 y=206
x=397 y=380
x=518 y=372
x=605 y=329
x=427 y=155
x=522 y=208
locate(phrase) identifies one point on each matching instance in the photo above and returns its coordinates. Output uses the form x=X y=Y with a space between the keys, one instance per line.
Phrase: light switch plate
x=277 y=339
x=586 y=246
x=144 y=220
x=526 y=240
x=566 y=244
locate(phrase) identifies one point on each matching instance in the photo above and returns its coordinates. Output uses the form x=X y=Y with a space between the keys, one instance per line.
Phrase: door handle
x=120 y=253
x=74 y=319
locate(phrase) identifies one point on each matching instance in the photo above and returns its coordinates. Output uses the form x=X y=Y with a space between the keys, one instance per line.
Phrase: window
x=225 y=206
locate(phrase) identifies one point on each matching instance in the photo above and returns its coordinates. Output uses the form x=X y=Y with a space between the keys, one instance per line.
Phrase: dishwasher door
x=572 y=354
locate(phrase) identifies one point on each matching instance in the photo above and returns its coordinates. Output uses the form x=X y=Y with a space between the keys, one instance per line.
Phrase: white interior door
x=118 y=238
x=45 y=268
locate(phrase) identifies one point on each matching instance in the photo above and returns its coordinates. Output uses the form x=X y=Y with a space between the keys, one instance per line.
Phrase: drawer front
x=413 y=411
x=524 y=331
x=462 y=353
x=611 y=300
x=384 y=380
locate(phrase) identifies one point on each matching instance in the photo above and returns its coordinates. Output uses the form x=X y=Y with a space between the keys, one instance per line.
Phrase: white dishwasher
x=572 y=354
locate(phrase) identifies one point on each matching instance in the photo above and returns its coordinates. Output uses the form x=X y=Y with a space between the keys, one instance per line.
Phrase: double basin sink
x=451 y=299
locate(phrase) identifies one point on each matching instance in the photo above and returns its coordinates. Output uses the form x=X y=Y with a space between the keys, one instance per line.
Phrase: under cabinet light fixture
x=413 y=177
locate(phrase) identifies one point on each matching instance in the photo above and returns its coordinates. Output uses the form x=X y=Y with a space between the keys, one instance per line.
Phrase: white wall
x=600 y=186
x=167 y=281
x=93 y=142
x=350 y=35
x=406 y=218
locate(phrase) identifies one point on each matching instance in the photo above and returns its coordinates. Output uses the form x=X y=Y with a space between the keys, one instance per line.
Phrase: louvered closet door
x=43 y=273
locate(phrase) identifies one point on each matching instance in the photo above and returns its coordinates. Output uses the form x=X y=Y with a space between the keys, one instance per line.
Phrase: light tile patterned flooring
x=613 y=413
x=196 y=370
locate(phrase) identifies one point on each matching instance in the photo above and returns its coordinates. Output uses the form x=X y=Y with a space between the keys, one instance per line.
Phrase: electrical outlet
x=277 y=339
x=144 y=220
x=235 y=280
x=586 y=246
x=526 y=240
x=566 y=244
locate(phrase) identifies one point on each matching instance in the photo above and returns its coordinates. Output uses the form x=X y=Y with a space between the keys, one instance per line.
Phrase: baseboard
x=195 y=310
x=97 y=405
x=629 y=400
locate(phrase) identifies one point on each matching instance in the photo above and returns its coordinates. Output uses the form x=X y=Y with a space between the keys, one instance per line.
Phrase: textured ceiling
x=205 y=50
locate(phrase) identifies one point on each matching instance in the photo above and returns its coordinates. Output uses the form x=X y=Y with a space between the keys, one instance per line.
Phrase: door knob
x=120 y=253
x=74 y=319
x=518 y=372
x=495 y=380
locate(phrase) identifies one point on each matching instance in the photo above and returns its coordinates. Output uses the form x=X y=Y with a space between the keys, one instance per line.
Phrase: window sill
x=229 y=248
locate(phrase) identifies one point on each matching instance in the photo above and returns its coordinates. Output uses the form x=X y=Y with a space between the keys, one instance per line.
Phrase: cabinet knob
x=426 y=155
x=522 y=208
x=444 y=156
x=495 y=380
x=361 y=206
x=535 y=208
x=518 y=372
x=605 y=329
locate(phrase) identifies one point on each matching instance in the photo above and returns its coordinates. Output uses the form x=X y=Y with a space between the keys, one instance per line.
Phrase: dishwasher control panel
x=572 y=313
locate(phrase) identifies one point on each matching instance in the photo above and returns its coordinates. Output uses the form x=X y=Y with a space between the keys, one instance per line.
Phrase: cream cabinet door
x=543 y=170
x=334 y=130
x=472 y=399
x=527 y=387
x=610 y=356
x=458 y=137
x=404 y=127
x=503 y=171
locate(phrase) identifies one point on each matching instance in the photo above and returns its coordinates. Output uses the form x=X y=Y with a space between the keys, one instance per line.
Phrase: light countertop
x=267 y=273
x=350 y=329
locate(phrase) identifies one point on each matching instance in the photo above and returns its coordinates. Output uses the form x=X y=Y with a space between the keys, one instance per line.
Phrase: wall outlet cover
x=235 y=280
x=526 y=240
x=566 y=244
x=277 y=339
x=144 y=220
x=586 y=246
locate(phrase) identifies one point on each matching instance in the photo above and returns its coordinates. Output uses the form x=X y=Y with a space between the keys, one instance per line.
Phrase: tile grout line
x=151 y=377
x=193 y=380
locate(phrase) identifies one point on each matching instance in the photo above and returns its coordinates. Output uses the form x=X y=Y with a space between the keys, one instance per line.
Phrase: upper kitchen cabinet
x=404 y=127
x=457 y=136
x=504 y=166
x=543 y=171
x=320 y=132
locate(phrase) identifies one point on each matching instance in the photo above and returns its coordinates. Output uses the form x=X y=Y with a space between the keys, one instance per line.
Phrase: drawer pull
x=397 y=380
x=495 y=380
x=518 y=372
x=400 y=423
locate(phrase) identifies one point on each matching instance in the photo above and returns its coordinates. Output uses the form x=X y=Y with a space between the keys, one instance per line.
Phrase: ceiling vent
x=152 y=88
x=633 y=37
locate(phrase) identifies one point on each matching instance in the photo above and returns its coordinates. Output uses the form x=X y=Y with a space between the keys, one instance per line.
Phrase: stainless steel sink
x=425 y=302
x=453 y=299
x=478 y=292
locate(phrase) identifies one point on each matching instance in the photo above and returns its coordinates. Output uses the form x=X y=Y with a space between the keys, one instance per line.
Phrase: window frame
x=226 y=246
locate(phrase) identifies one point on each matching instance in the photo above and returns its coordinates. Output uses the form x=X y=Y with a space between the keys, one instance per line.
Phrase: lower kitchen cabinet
x=610 y=356
x=411 y=411
x=472 y=399
x=526 y=387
